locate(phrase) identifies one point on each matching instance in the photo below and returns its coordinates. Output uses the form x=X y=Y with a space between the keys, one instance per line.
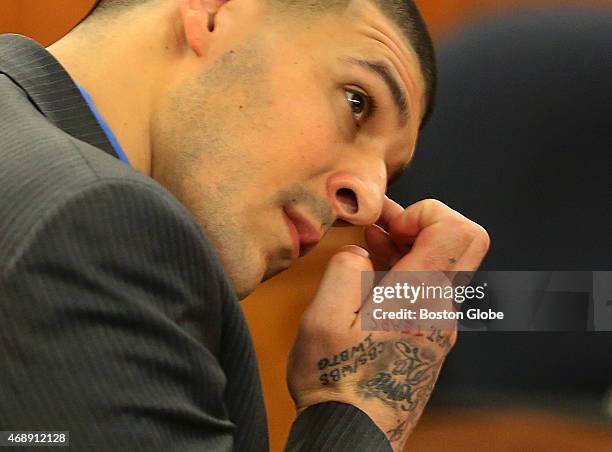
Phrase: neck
x=119 y=68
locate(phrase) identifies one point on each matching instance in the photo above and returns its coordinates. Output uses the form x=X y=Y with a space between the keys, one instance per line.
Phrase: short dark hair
x=406 y=15
x=403 y=13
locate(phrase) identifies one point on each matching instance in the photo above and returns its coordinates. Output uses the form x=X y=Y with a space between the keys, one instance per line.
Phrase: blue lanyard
x=107 y=130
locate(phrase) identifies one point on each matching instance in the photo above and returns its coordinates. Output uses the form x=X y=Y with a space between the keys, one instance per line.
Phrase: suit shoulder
x=36 y=153
x=115 y=221
x=46 y=172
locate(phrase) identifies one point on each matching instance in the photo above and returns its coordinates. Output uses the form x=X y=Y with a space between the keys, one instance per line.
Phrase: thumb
x=340 y=294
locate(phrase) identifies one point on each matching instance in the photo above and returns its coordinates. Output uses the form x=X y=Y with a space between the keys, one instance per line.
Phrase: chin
x=242 y=294
x=245 y=284
x=243 y=288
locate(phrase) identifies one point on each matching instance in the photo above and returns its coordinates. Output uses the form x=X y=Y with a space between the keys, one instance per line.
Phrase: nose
x=356 y=200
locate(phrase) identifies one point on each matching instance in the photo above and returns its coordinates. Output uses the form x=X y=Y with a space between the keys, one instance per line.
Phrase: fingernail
x=356 y=250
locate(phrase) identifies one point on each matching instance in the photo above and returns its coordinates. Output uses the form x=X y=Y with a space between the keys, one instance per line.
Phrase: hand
x=387 y=374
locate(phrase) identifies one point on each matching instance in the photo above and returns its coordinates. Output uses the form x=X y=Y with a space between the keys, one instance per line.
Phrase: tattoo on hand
x=439 y=339
x=397 y=433
x=350 y=360
x=401 y=373
x=407 y=385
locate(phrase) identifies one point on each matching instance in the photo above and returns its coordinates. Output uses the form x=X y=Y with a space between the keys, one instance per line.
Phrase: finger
x=442 y=239
x=390 y=210
x=340 y=293
x=405 y=228
x=381 y=245
x=474 y=254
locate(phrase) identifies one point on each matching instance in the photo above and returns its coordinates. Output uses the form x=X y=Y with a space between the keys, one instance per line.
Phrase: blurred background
x=521 y=142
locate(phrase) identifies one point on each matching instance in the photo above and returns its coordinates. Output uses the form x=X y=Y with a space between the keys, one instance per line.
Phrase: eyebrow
x=383 y=71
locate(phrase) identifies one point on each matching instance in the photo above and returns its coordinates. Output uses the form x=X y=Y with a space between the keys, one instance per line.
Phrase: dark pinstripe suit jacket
x=117 y=321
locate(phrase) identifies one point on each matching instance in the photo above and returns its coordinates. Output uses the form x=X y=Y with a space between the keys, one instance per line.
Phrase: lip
x=304 y=234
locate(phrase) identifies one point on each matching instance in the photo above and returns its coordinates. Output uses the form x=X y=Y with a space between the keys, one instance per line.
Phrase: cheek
x=305 y=150
x=306 y=139
x=296 y=131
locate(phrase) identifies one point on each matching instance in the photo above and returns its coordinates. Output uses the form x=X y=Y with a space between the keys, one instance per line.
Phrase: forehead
x=363 y=33
x=393 y=45
x=365 y=29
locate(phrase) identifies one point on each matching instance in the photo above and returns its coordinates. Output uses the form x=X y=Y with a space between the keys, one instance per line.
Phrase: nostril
x=348 y=199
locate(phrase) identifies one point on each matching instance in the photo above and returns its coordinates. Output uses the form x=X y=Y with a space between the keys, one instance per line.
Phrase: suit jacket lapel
x=51 y=90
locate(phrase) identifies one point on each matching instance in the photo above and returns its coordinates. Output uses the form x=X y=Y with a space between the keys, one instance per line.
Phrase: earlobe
x=194 y=18
x=198 y=18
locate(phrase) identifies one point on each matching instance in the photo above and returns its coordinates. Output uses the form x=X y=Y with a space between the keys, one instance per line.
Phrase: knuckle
x=482 y=238
x=462 y=229
x=435 y=206
x=310 y=326
x=305 y=323
x=315 y=325
x=477 y=235
x=439 y=211
x=468 y=231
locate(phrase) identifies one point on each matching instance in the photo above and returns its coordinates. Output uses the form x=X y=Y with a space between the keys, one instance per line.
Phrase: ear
x=198 y=18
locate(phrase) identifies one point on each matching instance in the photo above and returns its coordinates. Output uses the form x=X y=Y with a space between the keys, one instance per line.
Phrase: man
x=257 y=123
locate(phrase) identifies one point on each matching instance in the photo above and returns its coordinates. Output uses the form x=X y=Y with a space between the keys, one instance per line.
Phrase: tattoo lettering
x=409 y=382
x=349 y=361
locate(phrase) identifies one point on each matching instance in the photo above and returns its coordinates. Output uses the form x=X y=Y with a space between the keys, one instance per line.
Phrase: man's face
x=287 y=129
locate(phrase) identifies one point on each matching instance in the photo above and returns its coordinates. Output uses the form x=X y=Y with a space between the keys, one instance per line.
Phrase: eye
x=361 y=105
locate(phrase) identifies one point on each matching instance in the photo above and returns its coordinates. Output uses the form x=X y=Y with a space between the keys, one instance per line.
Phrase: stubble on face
x=318 y=211
x=199 y=157
x=253 y=133
x=216 y=142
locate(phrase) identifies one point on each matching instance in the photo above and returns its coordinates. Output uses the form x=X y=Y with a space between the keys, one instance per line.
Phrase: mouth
x=304 y=234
